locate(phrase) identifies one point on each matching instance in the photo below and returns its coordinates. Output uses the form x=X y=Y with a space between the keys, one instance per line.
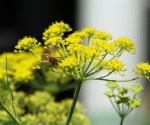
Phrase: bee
x=46 y=57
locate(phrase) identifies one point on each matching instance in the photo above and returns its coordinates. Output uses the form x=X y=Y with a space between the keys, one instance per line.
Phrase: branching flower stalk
x=82 y=54
x=121 y=102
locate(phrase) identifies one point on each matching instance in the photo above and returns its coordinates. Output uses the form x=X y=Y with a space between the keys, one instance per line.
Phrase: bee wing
x=50 y=50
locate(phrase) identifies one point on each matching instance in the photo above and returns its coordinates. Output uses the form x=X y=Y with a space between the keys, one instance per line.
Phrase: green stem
x=122 y=119
x=114 y=106
x=90 y=72
x=32 y=53
x=118 y=106
x=12 y=98
x=70 y=113
x=5 y=84
x=92 y=58
x=112 y=80
x=123 y=108
x=64 y=50
x=39 y=77
x=59 y=52
x=107 y=74
x=117 y=54
x=129 y=111
x=16 y=120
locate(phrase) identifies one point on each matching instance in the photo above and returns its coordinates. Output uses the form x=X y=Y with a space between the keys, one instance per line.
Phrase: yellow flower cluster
x=119 y=96
x=54 y=41
x=40 y=108
x=86 y=51
x=102 y=35
x=88 y=32
x=19 y=65
x=78 y=36
x=70 y=62
x=75 y=38
x=143 y=69
x=79 y=51
x=75 y=48
x=135 y=102
x=125 y=44
x=71 y=66
x=37 y=99
x=53 y=35
x=105 y=46
x=26 y=44
x=115 y=66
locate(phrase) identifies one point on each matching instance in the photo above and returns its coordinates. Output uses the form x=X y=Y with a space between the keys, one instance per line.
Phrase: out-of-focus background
x=31 y=18
x=129 y=18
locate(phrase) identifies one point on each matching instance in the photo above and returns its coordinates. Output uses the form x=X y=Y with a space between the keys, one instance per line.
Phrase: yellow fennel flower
x=88 y=31
x=73 y=48
x=91 y=51
x=71 y=66
x=69 y=62
x=102 y=35
x=56 y=30
x=76 y=37
x=26 y=44
x=143 y=69
x=136 y=102
x=114 y=65
x=125 y=44
x=54 y=41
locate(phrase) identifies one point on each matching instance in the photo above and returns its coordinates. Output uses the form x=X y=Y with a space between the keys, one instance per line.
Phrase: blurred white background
x=128 y=18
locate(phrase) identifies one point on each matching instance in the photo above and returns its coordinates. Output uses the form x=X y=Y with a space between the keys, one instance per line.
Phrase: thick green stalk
x=122 y=119
x=70 y=113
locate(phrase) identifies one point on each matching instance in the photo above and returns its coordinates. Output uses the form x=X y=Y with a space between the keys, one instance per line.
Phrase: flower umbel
x=26 y=44
x=80 y=50
x=112 y=85
x=143 y=69
x=115 y=65
x=126 y=44
x=136 y=88
x=53 y=35
x=136 y=102
x=121 y=101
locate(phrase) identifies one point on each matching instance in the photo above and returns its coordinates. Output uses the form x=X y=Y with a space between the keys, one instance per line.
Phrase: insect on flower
x=47 y=57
